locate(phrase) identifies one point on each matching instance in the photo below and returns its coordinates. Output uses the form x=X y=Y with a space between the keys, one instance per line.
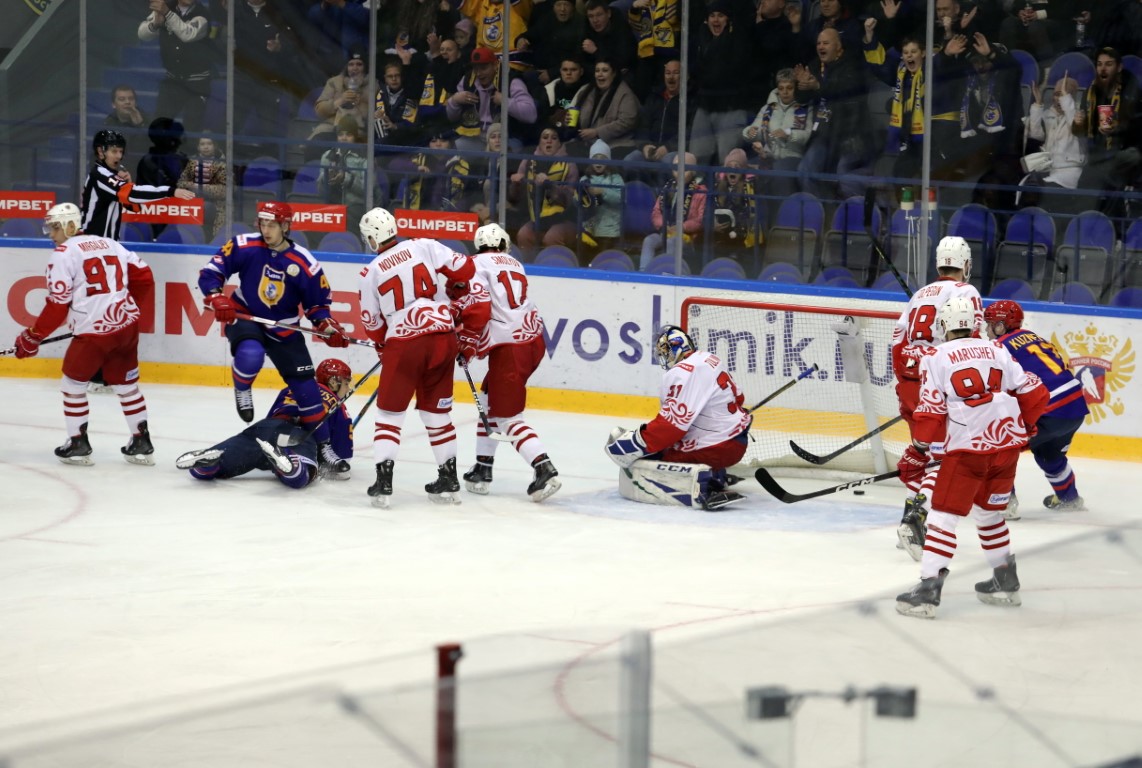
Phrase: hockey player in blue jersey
x=276 y=278
x=256 y=447
x=1065 y=412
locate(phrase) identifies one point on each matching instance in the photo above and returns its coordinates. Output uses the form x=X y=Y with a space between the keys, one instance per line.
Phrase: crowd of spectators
x=821 y=96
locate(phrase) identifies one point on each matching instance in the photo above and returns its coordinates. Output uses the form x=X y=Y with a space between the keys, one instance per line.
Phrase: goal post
x=765 y=344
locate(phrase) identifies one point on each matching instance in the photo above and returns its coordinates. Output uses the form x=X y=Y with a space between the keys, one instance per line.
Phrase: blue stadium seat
x=1086 y=251
x=664 y=265
x=613 y=260
x=1074 y=64
x=341 y=242
x=135 y=232
x=724 y=268
x=23 y=228
x=1127 y=297
x=557 y=256
x=781 y=272
x=186 y=234
x=1012 y=288
x=1073 y=293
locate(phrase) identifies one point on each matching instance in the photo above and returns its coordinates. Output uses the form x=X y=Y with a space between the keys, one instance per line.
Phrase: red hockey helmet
x=1005 y=311
x=333 y=368
x=275 y=211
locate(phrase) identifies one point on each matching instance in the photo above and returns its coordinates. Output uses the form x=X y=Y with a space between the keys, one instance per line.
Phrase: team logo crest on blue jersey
x=271 y=287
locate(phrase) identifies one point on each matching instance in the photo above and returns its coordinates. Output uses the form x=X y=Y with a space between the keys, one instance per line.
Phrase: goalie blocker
x=674 y=484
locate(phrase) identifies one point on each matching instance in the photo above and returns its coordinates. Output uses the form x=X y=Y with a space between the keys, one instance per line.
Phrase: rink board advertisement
x=599 y=338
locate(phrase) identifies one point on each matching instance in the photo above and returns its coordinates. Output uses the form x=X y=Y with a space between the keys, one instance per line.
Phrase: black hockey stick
x=779 y=493
x=812 y=458
x=297 y=436
x=479 y=406
x=804 y=374
x=293 y=327
x=365 y=410
x=49 y=340
x=869 y=204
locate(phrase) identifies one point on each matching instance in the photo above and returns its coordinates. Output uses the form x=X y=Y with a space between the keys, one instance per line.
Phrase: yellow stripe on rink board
x=1113 y=447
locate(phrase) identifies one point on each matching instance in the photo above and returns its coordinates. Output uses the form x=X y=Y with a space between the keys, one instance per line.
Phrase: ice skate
x=923 y=599
x=1003 y=586
x=205 y=457
x=716 y=500
x=1059 y=505
x=911 y=531
x=138 y=449
x=329 y=464
x=1012 y=510
x=77 y=449
x=382 y=491
x=244 y=401
x=545 y=481
x=278 y=460
x=444 y=489
x=479 y=477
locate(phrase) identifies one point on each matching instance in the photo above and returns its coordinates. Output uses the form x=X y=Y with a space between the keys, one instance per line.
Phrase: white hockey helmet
x=954 y=251
x=673 y=346
x=958 y=314
x=377 y=225
x=62 y=214
x=492 y=237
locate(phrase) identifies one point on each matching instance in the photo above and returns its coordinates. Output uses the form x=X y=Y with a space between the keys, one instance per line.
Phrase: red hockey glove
x=334 y=333
x=28 y=344
x=912 y=465
x=456 y=290
x=468 y=343
x=225 y=310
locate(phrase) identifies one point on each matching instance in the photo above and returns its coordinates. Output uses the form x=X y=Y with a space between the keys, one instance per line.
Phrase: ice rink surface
x=123 y=587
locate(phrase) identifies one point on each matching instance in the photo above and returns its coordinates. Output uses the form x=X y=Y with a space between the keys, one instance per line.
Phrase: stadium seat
x=457 y=245
x=1029 y=76
x=888 y=282
x=781 y=273
x=557 y=256
x=135 y=232
x=1130 y=270
x=1127 y=297
x=305 y=184
x=299 y=238
x=613 y=261
x=261 y=181
x=976 y=224
x=796 y=232
x=1133 y=65
x=665 y=265
x=898 y=243
x=847 y=243
x=843 y=281
x=1073 y=293
x=1012 y=288
x=831 y=273
x=1027 y=251
x=1086 y=252
x=1074 y=64
x=724 y=268
x=638 y=203
x=23 y=228
x=341 y=242
x=184 y=234
x=226 y=233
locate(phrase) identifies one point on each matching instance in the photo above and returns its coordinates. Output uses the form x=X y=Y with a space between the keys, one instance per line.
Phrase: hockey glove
x=467 y=343
x=28 y=344
x=225 y=310
x=912 y=466
x=456 y=290
x=625 y=446
x=334 y=334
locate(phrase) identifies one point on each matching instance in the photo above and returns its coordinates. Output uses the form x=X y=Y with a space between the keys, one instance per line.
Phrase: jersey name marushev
x=91 y=274
x=698 y=397
x=1039 y=356
x=401 y=293
x=502 y=281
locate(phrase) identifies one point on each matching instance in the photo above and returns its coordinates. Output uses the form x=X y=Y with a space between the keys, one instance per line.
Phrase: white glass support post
x=634 y=701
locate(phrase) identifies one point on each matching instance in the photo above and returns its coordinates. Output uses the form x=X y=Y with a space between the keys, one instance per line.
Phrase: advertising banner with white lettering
x=25 y=205
x=314 y=217
x=169 y=210
x=439 y=225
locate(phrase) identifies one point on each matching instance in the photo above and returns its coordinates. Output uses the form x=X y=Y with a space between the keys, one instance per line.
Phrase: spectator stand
x=1086 y=254
x=796 y=234
x=1027 y=251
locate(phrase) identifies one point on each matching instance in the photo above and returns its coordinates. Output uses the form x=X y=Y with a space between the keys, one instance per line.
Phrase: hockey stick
x=779 y=493
x=869 y=203
x=365 y=410
x=309 y=331
x=479 y=406
x=298 y=435
x=61 y=337
x=804 y=374
x=812 y=458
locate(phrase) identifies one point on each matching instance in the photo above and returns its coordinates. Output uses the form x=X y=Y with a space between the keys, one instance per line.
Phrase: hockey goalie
x=680 y=457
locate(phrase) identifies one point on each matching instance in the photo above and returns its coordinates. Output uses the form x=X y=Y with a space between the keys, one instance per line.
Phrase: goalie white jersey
x=501 y=280
x=700 y=398
x=401 y=291
x=972 y=386
x=91 y=273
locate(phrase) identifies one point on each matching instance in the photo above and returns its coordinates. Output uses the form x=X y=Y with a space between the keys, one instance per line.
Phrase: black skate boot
x=544 y=483
x=444 y=489
x=205 y=457
x=479 y=477
x=244 y=400
x=1070 y=505
x=921 y=601
x=77 y=450
x=382 y=490
x=329 y=464
x=1003 y=586
x=138 y=449
x=911 y=531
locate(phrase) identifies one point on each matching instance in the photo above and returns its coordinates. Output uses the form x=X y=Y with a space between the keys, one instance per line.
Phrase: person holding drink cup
x=1112 y=127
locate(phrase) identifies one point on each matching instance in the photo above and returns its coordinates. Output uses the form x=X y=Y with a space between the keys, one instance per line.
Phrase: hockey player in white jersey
x=406 y=294
x=916 y=333
x=702 y=419
x=498 y=320
x=106 y=288
x=977 y=400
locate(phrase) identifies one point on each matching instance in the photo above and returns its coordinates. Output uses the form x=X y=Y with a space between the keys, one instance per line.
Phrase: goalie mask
x=673 y=346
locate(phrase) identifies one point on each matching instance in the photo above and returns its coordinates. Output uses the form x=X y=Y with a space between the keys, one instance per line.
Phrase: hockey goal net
x=767 y=344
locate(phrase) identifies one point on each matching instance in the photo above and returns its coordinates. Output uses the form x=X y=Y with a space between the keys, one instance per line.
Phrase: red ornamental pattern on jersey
x=117 y=316
x=425 y=320
x=1006 y=433
x=60 y=291
x=678 y=414
x=532 y=327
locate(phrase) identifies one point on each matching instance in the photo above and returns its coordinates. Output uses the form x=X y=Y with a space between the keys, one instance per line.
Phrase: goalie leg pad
x=667 y=483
